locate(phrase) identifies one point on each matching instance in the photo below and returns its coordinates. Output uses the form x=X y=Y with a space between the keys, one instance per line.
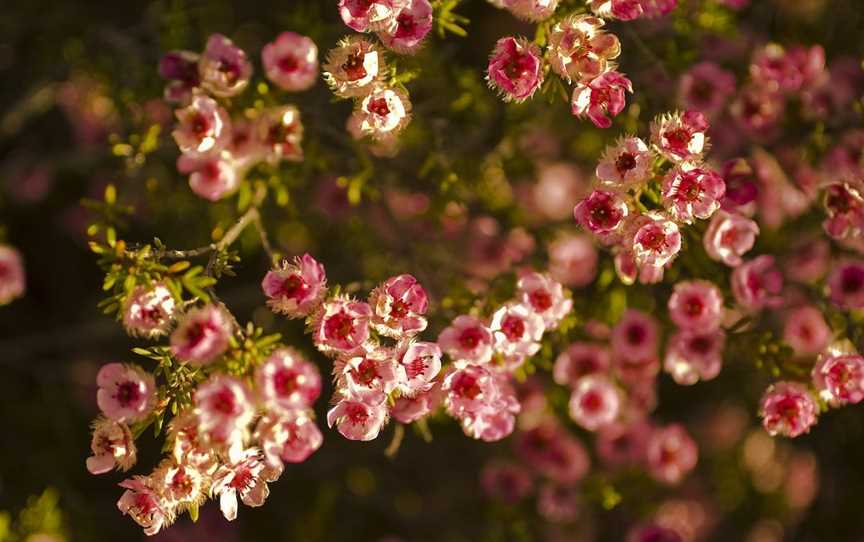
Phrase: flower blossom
x=573 y=260
x=578 y=360
x=353 y=66
x=625 y=164
x=291 y=61
x=692 y=192
x=412 y=25
x=579 y=48
x=601 y=212
x=341 y=325
x=295 y=289
x=545 y=296
x=844 y=205
x=635 y=336
x=181 y=486
x=180 y=69
x=148 y=312
x=225 y=409
x=12 y=278
x=692 y=356
x=531 y=10
x=656 y=240
x=680 y=137
x=422 y=363
x=468 y=339
x=371 y=375
x=213 y=176
x=202 y=335
x=839 y=377
x=554 y=453
x=203 y=126
x=246 y=478
x=517 y=330
x=515 y=69
x=729 y=236
x=223 y=68
x=142 y=502
x=371 y=15
x=601 y=98
x=595 y=402
x=706 y=87
x=112 y=446
x=788 y=409
x=287 y=380
x=846 y=285
x=806 y=331
x=383 y=113
x=696 y=305
x=625 y=10
x=408 y=409
x=287 y=435
x=126 y=392
x=757 y=284
x=279 y=130
x=357 y=420
x=671 y=454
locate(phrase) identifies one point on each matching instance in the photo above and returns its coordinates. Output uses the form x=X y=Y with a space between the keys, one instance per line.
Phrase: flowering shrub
x=597 y=270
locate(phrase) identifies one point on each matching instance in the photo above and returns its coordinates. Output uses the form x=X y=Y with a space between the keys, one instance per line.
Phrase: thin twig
x=398 y=435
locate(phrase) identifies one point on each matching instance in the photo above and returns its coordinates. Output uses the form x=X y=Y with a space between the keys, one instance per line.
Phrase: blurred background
x=79 y=98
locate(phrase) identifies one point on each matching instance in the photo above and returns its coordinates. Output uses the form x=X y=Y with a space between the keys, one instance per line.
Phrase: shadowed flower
x=671 y=454
x=291 y=61
x=223 y=68
x=148 y=312
x=412 y=25
x=126 y=392
x=729 y=236
x=202 y=335
x=112 y=446
x=579 y=48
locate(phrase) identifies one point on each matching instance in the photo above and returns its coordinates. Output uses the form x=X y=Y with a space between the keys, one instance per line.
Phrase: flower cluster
x=218 y=150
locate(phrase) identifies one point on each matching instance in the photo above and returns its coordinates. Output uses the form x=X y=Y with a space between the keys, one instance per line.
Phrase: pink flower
x=247 y=478
x=225 y=409
x=148 y=312
x=112 y=446
x=224 y=69
x=846 y=285
x=706 y=87
x=625 y=10
x=202 y=335
x=808 y=260
x=422 y=363
x=554 y=453
x=742 y=189
x=408 y=409
x=412 y=25
x=469 y=389
x=352 y=67
x=291 y=61
x=694 y=355
x=626 y=163
x=601 y=98
x=12 y=278
x=244 y=150
x=844 y=204
x=341 y=325
x=729 y=236
x=680 y=137
x=280 y=133
x=490 y=424
x=656 y=242
x=573 y=260
x=839 y=377
x=398 y=306
x=692 y=192
x=595 y=402
x=579 y=48
x=288 y=435
x=623 y=444
x=509 y=482
x=696 y=305
x=295 y=289
x=758 y=110
x=601 y=212
x=788 y=409
x=180 y=68
x=805 y=330
x=788 y=71
x=467 y=339
x=383 y=113
x=578 y=360
x=356 y=420
x=203 y=126
x=214 y=176
x=181 y=486
x=559 y=187
x=189 y=444
x=143 y=503
x=635 y=336
x=371 y=15
x=545 y=296
x=559 y=503
x=126 y=392
x=370 y=376
x=671 y=454
x=757 y=284
x=287 y=380
x=515 y=69
x=517 y=330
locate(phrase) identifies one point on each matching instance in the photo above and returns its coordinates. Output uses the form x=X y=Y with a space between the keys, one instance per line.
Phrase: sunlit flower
x=531 y=10
x=341 y=325
x=468 y=339
x=412 y=25
x=126 y=392
x=839 y=377
x=353 y=66
x=245 y=478
x=625 y=10
x=291 y=61
x=356 y=420
x=515 y=69
x=692 y=192
x=729 y=236
x=422 y=363
x=223 y=68
x=656 y=241
x=601 y=98
x=225 y=409
x=202 y=335
x=517 y=331
x=384 y=112
x=212 y=176
x=180 y=68
x=408 y=409
x=279 y=130
x=625 y=164
x=181 y=485
x=112 y=446
x=545 y=296
x=295 y=289
x=148 y=312
x=369 y=376
x=287 y=380
x=371 y=15
x=680 y=137
x=143 y=503
x=788 y=409
x=601 y=212
x=579 y=48
x=203 y=126
x=288 y=435
x=844 y=204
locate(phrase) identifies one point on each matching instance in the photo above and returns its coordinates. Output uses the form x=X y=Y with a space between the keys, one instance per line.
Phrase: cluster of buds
x=218 y=149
